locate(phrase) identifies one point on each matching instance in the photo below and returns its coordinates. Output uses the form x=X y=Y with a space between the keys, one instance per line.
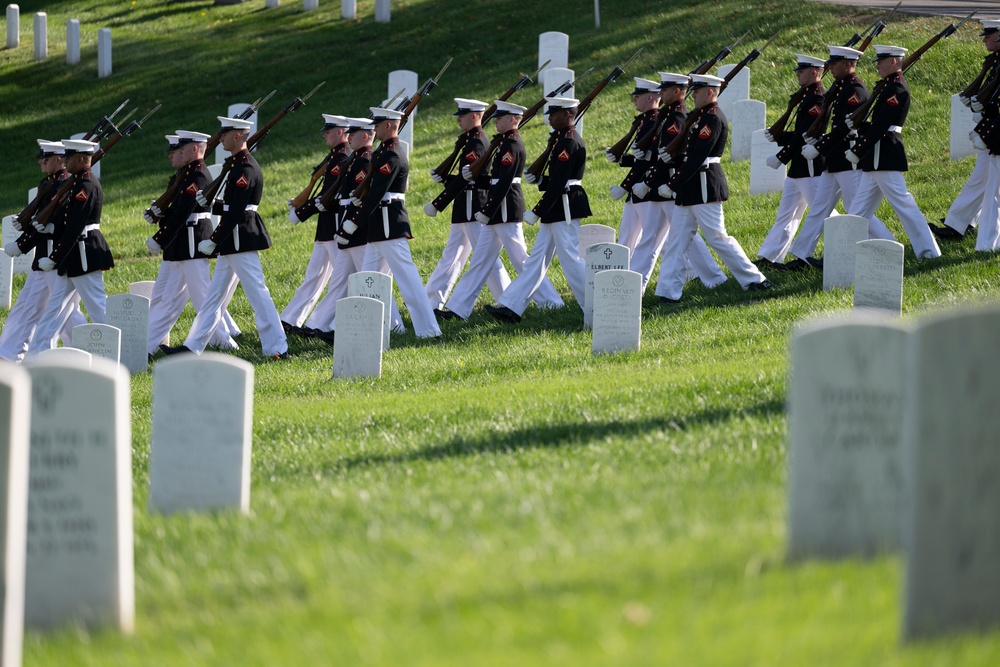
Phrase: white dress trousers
x=830 y=189
x=462 y=238
x=555 y=238
x=176 y=283
x=796 y=196
x=630 y=227
x=872 y=187
x=318 y=272
x=66 y=293
x=23 y=318
x=396 y=254
x=988 y=238
x=964 y=212
x=698 y=261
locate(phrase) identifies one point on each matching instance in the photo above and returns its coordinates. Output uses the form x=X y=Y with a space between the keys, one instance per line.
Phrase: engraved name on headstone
x=951 y=526
x=593 y=233
x=841 y=234
x=600 y=257
x=763 y=179
x=130 y=314
x=878 y=276
x=374 y=285
x=845 y=415
x=748 y=117
x=202 y=434
x=357 y=349
x=961 y=125
x=617 y=311
x=15 y=415
x=80 y=545
x=101 y=340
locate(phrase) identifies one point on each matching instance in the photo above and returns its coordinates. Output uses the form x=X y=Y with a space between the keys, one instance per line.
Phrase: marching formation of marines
x=840 y=143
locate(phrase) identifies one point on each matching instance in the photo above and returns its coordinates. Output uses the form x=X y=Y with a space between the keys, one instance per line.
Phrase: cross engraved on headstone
x=369 y=281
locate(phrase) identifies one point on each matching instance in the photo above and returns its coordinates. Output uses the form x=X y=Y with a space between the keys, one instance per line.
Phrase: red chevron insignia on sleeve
x=81 y=195
x=385 y=168
x=563 y=156
x=893 y=101
x=705 y=132
x=192 y=189
x=242 y=181
x=815 y=110
x=854 y=100
x=508 y=158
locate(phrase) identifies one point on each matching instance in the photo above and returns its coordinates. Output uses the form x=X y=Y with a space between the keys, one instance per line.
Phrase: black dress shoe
x=445 y=314
x=815 y=262
x=325 y=336
x=946 y=233
x=308 y=332
x=503 y=313
x=765 y=263
x=760 y=287
x=796 y=265
x=667 y=299
x=179 y=349
x=289 y=328
x=279 y=357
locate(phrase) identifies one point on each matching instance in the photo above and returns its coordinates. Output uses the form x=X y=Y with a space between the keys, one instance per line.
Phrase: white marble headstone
x=15 y=416
x=748 y=117
x=104 y=61
x=553 y=46
x=6 y=280
x=145 y=288
x=130 y=314
x=845 y=416
x=383 y=11
x=80 y=545
x=96 y=169
x=878 y=276
x=593 y=233
x=617 y=311
x=961 y=125
x=40 y=23
x=410 y=83
x=736 y=90
x=73 y=42
x=100 y=340
x=374 y=285
x=22 y=263
x=60 y=354
x=357 y=348
x=600 y=257
x=552 y=77
x=13 y=26
x=763 y=179
x=951 y=529
x=841 y=234
x=221 y=153
x=349 y=9
x=202 y=434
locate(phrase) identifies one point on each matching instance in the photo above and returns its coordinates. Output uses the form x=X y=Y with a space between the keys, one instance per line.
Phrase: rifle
x=477 y=167
x=674 y=147
x=538 y=166
x=445 y=167
x=647 y=141
x=861 y=113
x=362 y=189
x=309 y=192
x=208 y=195
x=973 y=88
x=43 y=216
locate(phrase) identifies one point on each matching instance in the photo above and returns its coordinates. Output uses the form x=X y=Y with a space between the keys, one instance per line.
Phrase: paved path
x=986 y=9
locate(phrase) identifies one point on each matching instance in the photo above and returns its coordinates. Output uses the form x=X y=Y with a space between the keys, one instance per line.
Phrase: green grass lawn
x=500 y=496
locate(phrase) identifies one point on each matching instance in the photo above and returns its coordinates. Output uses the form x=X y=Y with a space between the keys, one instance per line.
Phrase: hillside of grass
x=500 y=496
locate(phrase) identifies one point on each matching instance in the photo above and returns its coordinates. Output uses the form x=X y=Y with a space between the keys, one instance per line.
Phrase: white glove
x=349 y=227
x=809 y=152
x=356 y=201
x=640 y=190
x=768 y=135
x=207 y=247
x=812 y=141
x=641 y=154
x=977 y=118
x=611 y=156
x=773 y=162
x=966 y=101
x=617 y=192
x=201 y=199
x=976 y=105
x=852 y=157
x=149 y=217
x=530 y=218
x=429 y=210
x=319 y=204
x=849 y=123
x=12 y=250
x=529 y=178
x=153 y=247
x=665 y=192
x=38 y=226
x=436 y=177
x=664 y=155
x=155 y=209
x=292 y=218
x=341 y=240
x=43 y=229
x=482 y=217
x=16 y=223
x=46 y=264
x=467 y=173
x=977 y=141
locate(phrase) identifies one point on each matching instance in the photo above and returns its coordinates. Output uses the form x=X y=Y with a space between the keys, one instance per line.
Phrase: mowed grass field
x=499 y=496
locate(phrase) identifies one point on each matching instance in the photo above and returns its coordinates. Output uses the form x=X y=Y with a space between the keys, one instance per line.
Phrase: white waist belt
x=494 y=181
x=89 y=228
x=195 y=217
x=390 y=196
x=345 y=202
x=249 y=207
x=898 y=129
x=711 y=160
x=574 y=181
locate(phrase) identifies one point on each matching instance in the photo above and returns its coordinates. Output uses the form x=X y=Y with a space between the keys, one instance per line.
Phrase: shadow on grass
x=558 y=435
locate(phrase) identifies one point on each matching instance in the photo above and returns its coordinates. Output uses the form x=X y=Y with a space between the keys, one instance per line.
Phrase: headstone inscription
x=80 y=545
x=101 y=340
x=600 y=257
x=357 y=349
x=130 y=314
x=617 y=311
x=878 y=276
x=202 y=434
x=374 y=285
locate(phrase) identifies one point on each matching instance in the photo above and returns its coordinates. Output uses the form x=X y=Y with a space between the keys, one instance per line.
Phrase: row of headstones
x=40 y=24
x=348 y=8
x=66 y=480
x=895 y=446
